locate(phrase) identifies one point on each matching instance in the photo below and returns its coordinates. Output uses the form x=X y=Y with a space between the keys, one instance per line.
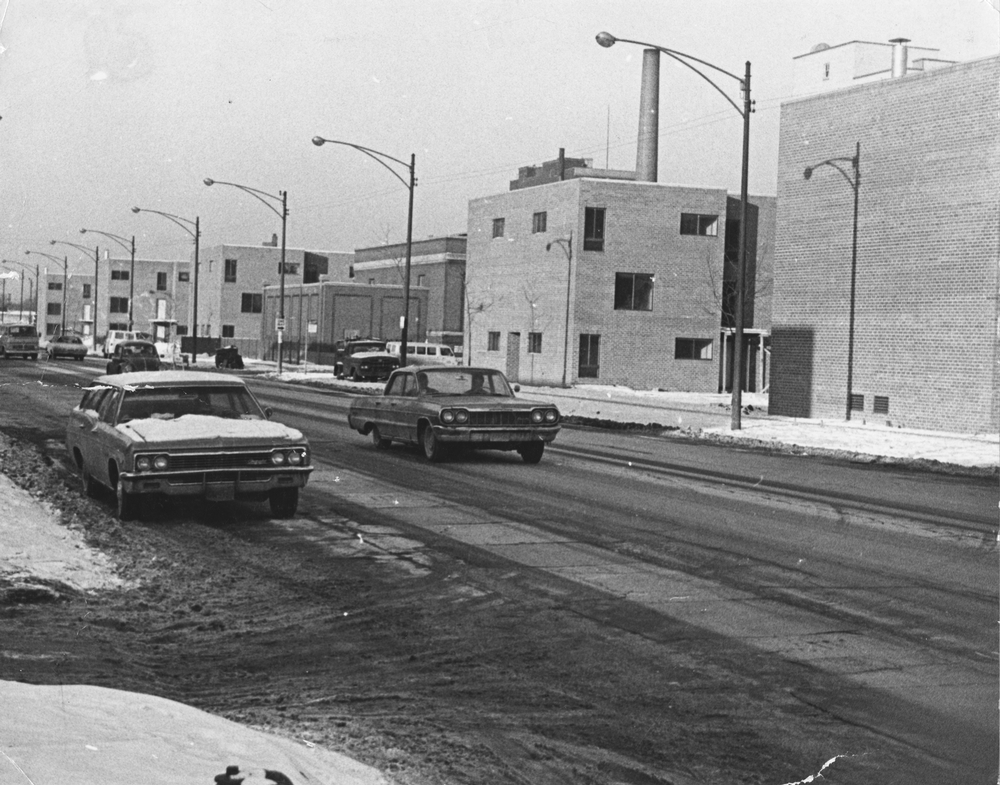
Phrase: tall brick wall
x=925 y=271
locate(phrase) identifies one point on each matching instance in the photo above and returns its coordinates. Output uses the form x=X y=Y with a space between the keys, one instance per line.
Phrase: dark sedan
x=133 y=356
x=66 y=346
x=445 y=407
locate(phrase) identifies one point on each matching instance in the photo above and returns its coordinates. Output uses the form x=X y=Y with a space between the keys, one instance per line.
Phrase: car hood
x=141 y=362
x=205 y=430
x=374 y=356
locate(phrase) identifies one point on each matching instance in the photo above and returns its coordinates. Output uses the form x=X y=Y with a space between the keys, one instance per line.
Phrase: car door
x=406 y=410
x=105 y=441
x=388 y=406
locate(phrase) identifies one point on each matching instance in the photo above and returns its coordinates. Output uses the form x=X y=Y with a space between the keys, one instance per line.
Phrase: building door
x=590 y=356
x=513 y=356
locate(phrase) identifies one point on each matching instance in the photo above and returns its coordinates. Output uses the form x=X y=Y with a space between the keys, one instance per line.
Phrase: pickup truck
x=363 y=359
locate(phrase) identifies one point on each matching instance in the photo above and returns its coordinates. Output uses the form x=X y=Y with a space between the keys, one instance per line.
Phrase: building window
x=228 y=331
x=371 y=281
x=86 y=291
x=593 y=229
x=55 y=286
x=350 y=271
x=183 y=277
x=161 y=282
x=117 y=325
x=53 y=309
x=704 y=225
x=880 y=404
x=856 y=401
x=633 y=292
x=119 y=275
x=498 y=225
x=52 y=328
x=182 y=329
x=119 y=305
x=826 y=70
x=692 y=348
x=493 y=341
x=252 y=303
x=589 y=366
x=534 y=343
x=421 y=280
x=539 y=222
x=291 y=268
x=230 y=272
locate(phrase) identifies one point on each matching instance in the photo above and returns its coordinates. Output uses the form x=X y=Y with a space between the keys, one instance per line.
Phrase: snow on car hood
x=200 y=427
x=371 y=355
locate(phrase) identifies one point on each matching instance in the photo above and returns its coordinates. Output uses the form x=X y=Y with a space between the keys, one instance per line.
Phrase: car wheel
x=81 y=358
x=87 y=482
x=433 y=449
x=531 y=452
x=354 y=375
x=284 y=502
x=129 y=504
x=377 y=439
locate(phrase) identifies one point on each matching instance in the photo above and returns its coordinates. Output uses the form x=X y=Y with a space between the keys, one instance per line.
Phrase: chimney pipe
x=899 y=55
x=647 y=153
x=562 y=163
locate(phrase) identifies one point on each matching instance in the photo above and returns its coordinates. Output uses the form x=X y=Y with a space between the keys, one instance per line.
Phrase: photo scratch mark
x=818 y=774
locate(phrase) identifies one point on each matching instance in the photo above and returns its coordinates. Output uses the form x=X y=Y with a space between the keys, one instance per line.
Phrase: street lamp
x=382 y=158
x=96 y=258
x=65 y=265
x=30 y=295
x=566 y=243
x=124 y=243
x=186 y=224
x=855 y=183
x=607 y=40
x=282 y=197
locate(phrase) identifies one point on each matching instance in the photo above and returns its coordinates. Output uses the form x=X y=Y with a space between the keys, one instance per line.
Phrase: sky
x=110 y=104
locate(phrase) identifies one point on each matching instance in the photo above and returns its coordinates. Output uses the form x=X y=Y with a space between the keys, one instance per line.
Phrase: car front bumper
x=494 y=436
x=217 y=484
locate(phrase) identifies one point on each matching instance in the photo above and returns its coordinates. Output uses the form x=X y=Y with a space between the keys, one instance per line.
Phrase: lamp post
x=65 y=265
x=382 y=158
x=282 y=198
x=186 y=224
x=855 y=183
x=566 y=243
x=96 y=258
x=607 y=40
x=124 y=243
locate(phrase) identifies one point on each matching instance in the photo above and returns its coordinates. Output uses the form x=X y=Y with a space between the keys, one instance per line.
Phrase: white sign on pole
x=313 y=328
x=279 y=324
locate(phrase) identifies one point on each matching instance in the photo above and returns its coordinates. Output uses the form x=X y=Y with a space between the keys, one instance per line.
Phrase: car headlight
x=294 y=458
x=537 y=415
x=160 y=463
x=551 y=415
x=447 y=416
x=461 y=416
x=142 y=463
x=277 y=458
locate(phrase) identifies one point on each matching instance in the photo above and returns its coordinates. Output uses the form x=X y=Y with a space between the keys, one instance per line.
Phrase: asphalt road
x=866 y=595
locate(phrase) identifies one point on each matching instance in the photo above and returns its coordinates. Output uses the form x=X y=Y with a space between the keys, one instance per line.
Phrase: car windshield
x=139 y=349
x=167 y=403
x=23 y=331
x=463 y=381
x=372 y=346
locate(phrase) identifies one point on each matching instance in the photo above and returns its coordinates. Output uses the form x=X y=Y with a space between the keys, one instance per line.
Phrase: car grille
x=501 y=418
x=220 y=460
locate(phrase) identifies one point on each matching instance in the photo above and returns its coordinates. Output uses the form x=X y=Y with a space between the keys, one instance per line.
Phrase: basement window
x=857 y=402
x=881 y=404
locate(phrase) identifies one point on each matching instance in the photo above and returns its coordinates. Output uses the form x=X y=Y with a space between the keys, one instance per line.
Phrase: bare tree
x=477 y=302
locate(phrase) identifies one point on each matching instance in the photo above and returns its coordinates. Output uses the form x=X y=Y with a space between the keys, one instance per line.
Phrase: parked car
x=439 y=408
x=66 y=346
x=19 y=339
x=184 y=433
x=363 y=359
x=423 y=353
x=134 y=356
x=228 y=357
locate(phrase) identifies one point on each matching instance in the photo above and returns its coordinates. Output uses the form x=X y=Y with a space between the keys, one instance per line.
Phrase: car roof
x=170 y=379
x=449 y=368
x=136 y=343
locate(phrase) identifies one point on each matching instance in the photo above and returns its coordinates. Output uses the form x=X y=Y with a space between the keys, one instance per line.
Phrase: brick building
x=436 y=264
x=886 y=274
x=599 y=278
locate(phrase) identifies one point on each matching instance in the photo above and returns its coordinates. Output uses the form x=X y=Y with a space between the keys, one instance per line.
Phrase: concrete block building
x=885 y=300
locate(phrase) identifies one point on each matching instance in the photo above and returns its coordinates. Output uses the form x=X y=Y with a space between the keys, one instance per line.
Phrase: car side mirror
x=517 y=388
x=268 y=411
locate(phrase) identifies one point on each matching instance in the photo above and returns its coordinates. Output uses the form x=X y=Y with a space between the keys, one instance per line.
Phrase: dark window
x=119 y=305
x=291 y=268
x=350 y=271
x=857 y=402
x=53 y=309
x=534 y=343
x=498 y=226
x=118 y=326
x=182 y=329
x=539 y=222
x=228 y=331
x=252 y=303
x=705 y=225
x=53 y=328
x=692 y=348
x=493 y=341
x=55 y=286
x=421 y=280
x=161 y=282
x=119 y=275
x=183 y=277
x=230 y=271
x=590 y=356
x=593 y=229
x=633 y=292
x=880 y=405
x=86 y=291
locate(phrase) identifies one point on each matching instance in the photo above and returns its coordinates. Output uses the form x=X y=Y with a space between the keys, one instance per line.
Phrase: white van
x=423 y=353
x=115 y=337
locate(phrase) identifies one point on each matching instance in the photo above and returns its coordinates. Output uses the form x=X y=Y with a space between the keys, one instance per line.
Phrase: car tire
x=354 y=375
x=128 y=505
x=434 y=450
x=283 y=502
x=378 y=440
x=88 y=483
x=531 y=452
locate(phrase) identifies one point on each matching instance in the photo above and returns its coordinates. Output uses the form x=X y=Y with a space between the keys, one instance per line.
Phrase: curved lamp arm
x=375 y=155
x=256 y=194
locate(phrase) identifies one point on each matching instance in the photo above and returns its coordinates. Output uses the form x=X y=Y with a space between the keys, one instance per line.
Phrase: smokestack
x=649 y=118
x=899 y=54
x=562 y=163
